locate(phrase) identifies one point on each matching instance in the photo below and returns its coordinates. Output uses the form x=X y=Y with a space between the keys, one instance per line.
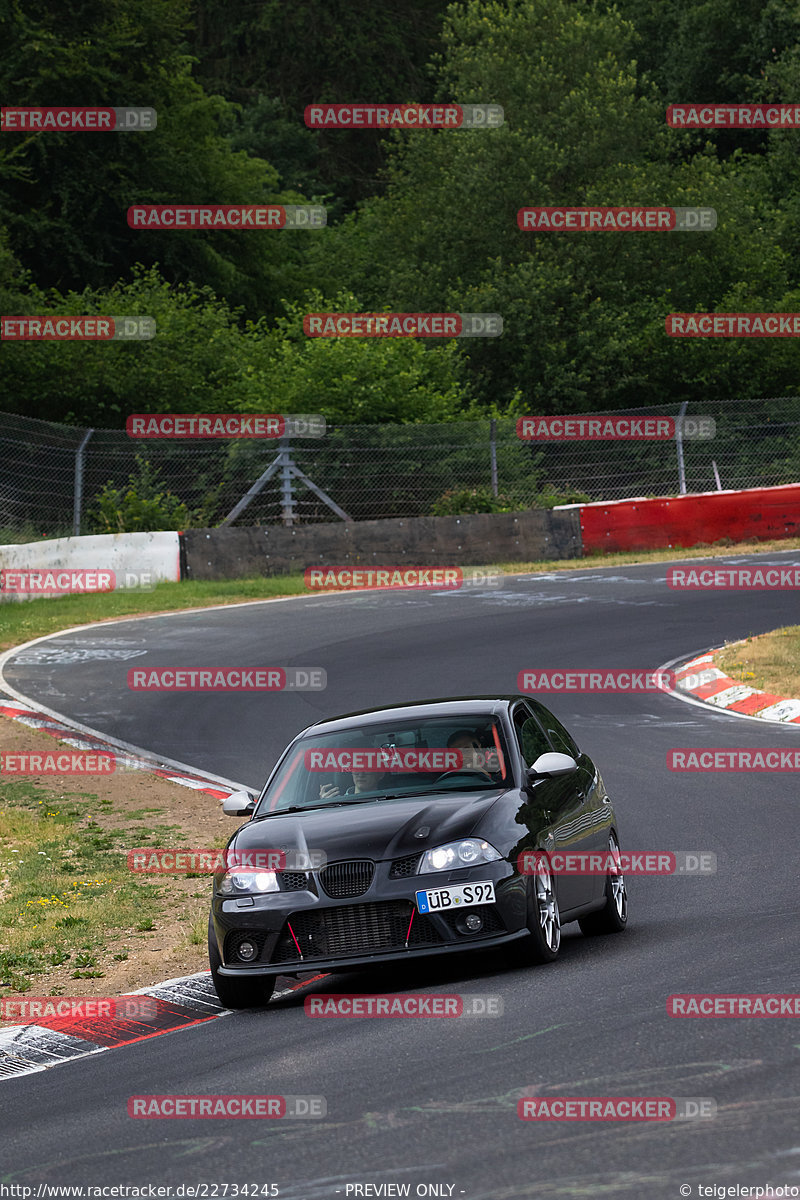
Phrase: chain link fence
x=52 y=477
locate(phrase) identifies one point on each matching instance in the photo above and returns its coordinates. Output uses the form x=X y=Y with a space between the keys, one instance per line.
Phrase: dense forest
x=420 y=221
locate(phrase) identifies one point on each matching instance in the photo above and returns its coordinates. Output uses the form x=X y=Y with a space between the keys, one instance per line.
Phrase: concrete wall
x=134 y=559
x=474 y=540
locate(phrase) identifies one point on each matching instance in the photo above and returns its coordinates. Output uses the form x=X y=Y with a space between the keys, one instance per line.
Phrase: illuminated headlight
x=234 y=882
x=468 y=853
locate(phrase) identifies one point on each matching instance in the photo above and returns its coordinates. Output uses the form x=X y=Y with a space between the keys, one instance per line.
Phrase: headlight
x=467 y=853
x=233 y=882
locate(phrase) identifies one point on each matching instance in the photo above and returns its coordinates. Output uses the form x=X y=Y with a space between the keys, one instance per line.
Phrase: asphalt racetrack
x=433 y=1102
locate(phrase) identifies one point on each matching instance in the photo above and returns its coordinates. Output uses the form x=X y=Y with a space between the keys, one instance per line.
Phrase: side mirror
x=550 y=766
x=239 y=804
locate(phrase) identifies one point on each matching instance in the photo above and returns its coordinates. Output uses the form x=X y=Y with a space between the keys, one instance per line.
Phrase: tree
x=357 y=380
x=65 y=195
x=583 y=312
x=274 y=58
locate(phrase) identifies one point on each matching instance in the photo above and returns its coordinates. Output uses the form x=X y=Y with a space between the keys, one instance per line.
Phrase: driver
x=363 y=781
x=465 y=739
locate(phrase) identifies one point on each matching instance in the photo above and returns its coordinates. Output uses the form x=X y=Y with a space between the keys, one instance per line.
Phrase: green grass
x=66 y=894
x=769 y=662
x=198 y=932
x=24 y=620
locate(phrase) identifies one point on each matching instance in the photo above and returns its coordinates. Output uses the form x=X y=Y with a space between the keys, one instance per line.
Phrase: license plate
x=463 y=896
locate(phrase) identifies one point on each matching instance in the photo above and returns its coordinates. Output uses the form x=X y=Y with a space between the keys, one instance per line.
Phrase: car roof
x=454 y=706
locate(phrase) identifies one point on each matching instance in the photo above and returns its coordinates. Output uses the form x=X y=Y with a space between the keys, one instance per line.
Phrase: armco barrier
x=684 y=521
x=155 y=554
x=473 y=540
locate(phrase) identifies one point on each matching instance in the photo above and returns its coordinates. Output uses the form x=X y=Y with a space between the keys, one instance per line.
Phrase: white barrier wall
x=114 y=561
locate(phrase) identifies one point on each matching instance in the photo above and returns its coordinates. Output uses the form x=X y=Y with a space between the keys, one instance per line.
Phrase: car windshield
x=388 y=761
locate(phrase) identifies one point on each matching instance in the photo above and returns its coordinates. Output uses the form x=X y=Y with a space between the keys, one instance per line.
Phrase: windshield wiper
x=471 y=787
x=297 y=808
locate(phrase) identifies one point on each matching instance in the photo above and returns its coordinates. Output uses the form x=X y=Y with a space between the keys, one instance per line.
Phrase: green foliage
x=203 y=359
x=456 y=501
x=65 y=195
x=431 y=222
x=583 y=313
x=140 y=507
x=712 y=51
x=274 y=58
x=550 y=497
x=355 y=380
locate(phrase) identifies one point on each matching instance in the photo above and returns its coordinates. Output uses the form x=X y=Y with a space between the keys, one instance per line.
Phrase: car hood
x=378 y=830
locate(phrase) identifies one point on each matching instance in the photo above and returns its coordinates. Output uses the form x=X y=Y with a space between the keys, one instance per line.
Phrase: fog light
x=246 y=951
x=469 y=923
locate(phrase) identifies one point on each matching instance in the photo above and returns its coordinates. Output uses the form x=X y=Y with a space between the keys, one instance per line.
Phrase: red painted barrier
x=684 y=521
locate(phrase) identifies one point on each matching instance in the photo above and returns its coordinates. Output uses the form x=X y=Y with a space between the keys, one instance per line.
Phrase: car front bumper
x=300 y=931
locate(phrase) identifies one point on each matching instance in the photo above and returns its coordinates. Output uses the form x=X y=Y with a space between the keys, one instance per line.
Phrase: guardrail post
x=679 y=448
x=287 y=488
x=77 y=501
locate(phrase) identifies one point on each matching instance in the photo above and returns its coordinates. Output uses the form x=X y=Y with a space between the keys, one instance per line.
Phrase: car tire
x=544 y=921
x=249 y=992
x=613 y=916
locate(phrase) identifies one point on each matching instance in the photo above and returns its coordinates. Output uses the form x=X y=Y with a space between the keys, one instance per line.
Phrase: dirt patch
x=133 y=801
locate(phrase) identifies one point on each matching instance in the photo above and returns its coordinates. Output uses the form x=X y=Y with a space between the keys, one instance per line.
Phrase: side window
x=560 y=738
x=532 y=741
x=562 y=741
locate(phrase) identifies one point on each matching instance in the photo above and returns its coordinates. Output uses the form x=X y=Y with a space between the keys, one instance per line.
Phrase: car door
x=570 y=821
x=590 y=818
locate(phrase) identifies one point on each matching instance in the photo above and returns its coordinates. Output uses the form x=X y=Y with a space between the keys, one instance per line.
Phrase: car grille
x=354 y=929
x=294 y=881
x=233 y=939
x=345 y=879
x=401 y=868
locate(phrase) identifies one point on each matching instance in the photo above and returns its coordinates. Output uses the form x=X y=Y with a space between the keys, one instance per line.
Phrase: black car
x=405 y=832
